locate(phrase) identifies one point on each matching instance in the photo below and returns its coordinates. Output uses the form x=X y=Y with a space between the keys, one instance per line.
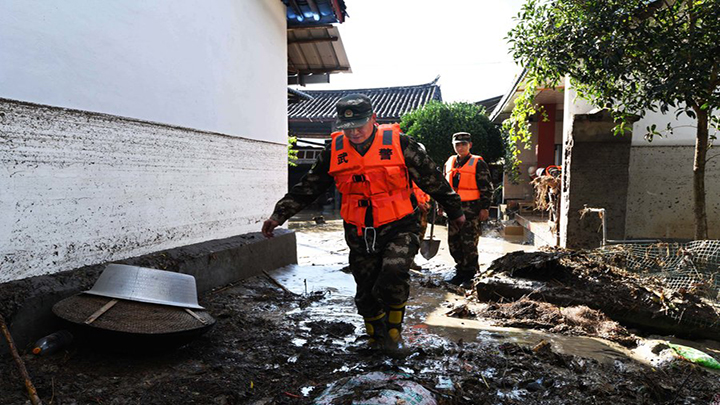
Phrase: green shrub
x=434 y=124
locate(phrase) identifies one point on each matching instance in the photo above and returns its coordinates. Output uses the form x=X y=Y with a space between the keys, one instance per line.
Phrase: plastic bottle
x=53 y=342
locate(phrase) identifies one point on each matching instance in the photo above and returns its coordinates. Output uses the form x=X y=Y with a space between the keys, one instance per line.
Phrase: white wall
x=190 y=145
x=217 y=65
x=684 y=129
x=573 y=104
x=660 y=193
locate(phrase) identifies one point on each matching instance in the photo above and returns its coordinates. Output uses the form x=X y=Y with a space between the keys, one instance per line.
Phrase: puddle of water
x=322 y=254
x=305 y=222
x=298 y=278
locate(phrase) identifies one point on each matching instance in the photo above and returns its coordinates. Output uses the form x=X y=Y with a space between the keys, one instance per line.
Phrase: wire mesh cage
x=689 y=267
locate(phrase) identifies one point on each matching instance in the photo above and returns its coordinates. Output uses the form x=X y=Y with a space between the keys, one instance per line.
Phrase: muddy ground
x=265 y=349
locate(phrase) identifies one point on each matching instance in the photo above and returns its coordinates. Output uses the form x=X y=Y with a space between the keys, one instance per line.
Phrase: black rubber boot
x=461 y=280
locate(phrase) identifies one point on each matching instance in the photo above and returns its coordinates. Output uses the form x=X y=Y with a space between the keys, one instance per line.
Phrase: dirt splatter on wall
x=81 y=188
x=660 y=202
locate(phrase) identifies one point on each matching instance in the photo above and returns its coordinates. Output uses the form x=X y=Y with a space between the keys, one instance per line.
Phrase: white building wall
x=218 y=66
x=660 y=191
x=191 y=146
x=684 y=129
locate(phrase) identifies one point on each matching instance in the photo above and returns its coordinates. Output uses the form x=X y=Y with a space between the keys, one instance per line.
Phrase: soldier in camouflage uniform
x=469 y=176
x=381 y=249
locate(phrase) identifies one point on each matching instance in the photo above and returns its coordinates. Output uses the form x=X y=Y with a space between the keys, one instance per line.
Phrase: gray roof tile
x=390 y=103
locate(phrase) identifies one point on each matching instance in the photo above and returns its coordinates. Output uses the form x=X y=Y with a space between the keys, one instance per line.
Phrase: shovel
x=429 y=247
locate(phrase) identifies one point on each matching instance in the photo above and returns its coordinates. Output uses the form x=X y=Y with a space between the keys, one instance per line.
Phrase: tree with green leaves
x=434 y=124
x=630 y=57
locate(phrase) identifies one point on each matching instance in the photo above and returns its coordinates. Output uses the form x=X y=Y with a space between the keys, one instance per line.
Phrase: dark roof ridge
x=430 y=84
x=390 y=103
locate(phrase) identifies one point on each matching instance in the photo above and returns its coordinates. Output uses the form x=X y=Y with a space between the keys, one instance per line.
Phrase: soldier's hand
x=457 y=223
x=268 y=226
x=484 y=215
x=424 y=208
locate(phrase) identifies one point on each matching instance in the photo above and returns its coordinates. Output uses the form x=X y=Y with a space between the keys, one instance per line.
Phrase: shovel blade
x=429 y=248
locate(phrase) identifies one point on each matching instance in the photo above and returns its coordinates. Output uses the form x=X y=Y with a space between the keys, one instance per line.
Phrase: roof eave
x=509 y=97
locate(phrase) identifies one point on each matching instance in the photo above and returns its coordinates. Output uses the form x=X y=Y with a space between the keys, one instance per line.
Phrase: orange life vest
x=379 y=179
x=467 y=186
x=422 y=197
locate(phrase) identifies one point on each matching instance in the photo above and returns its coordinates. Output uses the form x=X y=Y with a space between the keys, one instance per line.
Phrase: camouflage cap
x=353 y=111
x=459 y=137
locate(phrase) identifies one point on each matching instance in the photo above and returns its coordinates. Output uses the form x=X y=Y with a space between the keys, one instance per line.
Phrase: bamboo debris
x=32 y=392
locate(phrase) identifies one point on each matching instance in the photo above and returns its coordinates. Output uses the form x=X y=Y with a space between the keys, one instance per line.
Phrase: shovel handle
x=432 y=221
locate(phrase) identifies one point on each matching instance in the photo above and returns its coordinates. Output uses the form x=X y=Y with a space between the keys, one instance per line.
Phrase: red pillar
x=546 y=137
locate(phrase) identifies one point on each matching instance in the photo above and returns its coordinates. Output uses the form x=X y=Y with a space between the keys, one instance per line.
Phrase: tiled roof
x=390 y=103
x=297 y=95
x=489 y=104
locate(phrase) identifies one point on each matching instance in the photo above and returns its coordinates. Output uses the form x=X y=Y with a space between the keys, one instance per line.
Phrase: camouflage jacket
x=423 y=171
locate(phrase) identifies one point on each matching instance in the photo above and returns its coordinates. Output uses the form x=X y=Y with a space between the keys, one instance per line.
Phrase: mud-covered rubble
x=565 y=278
x=574 y=321
x=273 y=347
x=257 y=355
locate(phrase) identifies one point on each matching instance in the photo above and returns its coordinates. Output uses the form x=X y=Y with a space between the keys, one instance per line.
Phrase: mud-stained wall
x=595 y=173
x=660 y=195
x=80 y=188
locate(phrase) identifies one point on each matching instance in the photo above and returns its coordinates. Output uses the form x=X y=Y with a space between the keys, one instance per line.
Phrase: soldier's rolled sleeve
x=310 y=187
x=484 y=184
x=426 y=174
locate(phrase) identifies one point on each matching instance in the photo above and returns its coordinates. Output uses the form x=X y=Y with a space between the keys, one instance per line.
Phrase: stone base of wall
x=26 y=304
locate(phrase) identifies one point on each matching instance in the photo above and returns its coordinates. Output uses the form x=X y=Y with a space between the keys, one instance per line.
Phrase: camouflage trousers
x=382 y=276
x=463 y=243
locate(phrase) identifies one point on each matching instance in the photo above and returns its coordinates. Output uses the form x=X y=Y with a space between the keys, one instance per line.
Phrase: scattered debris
x=695 y=356
x=333 y=329
x=547 y=196
x=376 y=388
x=52 y=343
x=461 y=311
x=566 y=278
x=575 y=320
x=29 y=386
